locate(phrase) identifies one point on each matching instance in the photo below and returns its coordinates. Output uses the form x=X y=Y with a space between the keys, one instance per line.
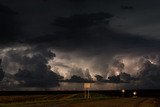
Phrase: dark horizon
x=109 y=93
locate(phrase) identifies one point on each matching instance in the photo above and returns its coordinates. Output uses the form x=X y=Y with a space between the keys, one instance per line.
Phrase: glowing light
x=123 y=91
x=117 y=73
x=87 y=85
x=134 y=93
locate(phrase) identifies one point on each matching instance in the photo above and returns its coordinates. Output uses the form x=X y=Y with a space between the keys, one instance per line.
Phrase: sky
x=57 y=39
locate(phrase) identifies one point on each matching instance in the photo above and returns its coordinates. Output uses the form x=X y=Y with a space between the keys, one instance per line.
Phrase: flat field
x=76 y=100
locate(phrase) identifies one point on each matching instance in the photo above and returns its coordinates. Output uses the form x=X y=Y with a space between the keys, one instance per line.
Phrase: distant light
x=123 y=91
x=87 y=85
x=134 y=93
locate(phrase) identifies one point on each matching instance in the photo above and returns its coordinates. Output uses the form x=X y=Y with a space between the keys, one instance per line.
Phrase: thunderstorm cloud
x=45 y=42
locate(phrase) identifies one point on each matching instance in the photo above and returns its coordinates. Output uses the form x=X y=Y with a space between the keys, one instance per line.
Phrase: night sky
x=46 y=41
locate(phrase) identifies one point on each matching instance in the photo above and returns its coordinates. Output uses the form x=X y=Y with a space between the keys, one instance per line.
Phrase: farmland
x=76 y=100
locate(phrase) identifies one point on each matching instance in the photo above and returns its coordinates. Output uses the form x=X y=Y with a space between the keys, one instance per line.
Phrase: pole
x=88 y=93
x=84 y=93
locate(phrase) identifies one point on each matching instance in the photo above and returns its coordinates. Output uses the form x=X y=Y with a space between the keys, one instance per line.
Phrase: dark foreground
x=145 y=98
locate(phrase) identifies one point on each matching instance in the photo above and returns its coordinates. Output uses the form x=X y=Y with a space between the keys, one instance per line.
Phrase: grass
x=7 y=101
x=114 y=102
x=75 y=100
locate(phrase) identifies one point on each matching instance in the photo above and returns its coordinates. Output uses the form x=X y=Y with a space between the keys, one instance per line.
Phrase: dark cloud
x=99 y=78
x=82 y=21
x=114 y=79
x=85 y=74
x=30 y=66
x=8 y=25
x=149 y=74
x=74 y=28
x=126 y=77
x=121 y=78
x=88 y=31
x=37 y=78
x=89 y=35
x=78 y=79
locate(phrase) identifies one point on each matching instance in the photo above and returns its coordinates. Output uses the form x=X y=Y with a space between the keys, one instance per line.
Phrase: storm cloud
x=83 y=38
x=29 y=65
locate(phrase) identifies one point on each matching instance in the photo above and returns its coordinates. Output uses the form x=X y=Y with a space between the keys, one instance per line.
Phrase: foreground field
x=76 y=100
x=118 y=102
